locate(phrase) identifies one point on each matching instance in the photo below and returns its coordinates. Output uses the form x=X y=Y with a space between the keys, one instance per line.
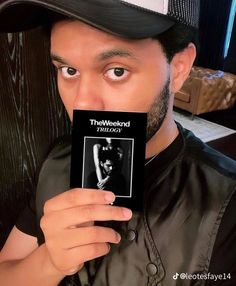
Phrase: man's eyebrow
x=115 y=53
x=101 y=57
x=58 y=59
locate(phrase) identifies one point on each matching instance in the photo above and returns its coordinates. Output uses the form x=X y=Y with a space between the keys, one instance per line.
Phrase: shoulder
x=201 y=154
x=206 y=171
x=58 y=158
x=209 y=181
x=54 y=177
x=61 y=147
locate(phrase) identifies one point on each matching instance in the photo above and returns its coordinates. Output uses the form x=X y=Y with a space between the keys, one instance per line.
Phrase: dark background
x=32 y=116
x=214 y=18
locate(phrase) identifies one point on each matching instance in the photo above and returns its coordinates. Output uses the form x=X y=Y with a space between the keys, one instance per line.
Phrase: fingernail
x=127 y=213
x=118 y=237
x=73 y=271
x=110 y=197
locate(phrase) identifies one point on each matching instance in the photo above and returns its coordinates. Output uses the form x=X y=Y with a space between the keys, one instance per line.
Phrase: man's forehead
x=100 y=56
x=109 y=162
x=77 y=37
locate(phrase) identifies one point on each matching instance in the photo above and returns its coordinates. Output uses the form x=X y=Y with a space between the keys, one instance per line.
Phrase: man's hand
x=102 y=184
x=71 y=237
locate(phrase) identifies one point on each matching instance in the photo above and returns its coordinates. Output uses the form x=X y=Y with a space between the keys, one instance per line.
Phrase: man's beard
x=158 y=111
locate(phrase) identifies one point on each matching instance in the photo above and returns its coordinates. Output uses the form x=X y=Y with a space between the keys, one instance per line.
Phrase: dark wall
x=214 y=17
x=32 y=116
x=230 y=61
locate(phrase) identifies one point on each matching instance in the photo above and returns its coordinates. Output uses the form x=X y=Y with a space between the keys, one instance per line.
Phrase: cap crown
x=184 y=11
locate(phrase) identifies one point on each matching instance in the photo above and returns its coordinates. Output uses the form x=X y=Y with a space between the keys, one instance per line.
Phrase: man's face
x=108 y=167
x=99 y=71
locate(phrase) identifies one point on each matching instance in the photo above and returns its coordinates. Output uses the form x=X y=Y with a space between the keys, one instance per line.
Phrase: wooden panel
x=32 y=116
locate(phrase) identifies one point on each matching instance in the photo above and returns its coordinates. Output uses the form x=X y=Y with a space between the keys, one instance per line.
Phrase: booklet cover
x=108 y=152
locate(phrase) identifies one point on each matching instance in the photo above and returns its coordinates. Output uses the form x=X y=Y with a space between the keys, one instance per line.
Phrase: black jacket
x=188 y=188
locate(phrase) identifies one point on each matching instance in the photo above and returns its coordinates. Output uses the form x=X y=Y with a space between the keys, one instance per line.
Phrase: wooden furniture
x=206 y=90
x=32 y=117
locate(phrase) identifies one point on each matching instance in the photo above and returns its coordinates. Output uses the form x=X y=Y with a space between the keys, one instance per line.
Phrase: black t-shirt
x=225 y=241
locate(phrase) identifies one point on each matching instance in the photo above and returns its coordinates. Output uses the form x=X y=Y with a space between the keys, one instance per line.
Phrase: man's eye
x=117 y=74
x=68 y=72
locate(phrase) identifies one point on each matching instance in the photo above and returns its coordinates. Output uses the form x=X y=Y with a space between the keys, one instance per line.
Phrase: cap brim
x=112 y=16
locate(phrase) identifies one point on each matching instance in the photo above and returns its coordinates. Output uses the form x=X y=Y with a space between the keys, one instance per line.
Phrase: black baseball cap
x=128 y=18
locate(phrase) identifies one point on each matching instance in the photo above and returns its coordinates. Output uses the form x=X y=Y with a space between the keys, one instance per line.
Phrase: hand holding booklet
x=108 y=153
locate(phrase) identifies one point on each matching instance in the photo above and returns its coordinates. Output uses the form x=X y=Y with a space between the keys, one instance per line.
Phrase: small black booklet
x=108 y=152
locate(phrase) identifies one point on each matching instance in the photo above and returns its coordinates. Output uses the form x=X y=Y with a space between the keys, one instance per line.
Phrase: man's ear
x=181 y=65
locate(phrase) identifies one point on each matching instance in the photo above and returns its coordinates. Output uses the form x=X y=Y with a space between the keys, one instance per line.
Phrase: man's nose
x=88 y=95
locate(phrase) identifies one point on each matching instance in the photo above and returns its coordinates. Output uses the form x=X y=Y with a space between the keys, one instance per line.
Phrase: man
x=112 y=179
x=125 y=56
x=106 y=150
